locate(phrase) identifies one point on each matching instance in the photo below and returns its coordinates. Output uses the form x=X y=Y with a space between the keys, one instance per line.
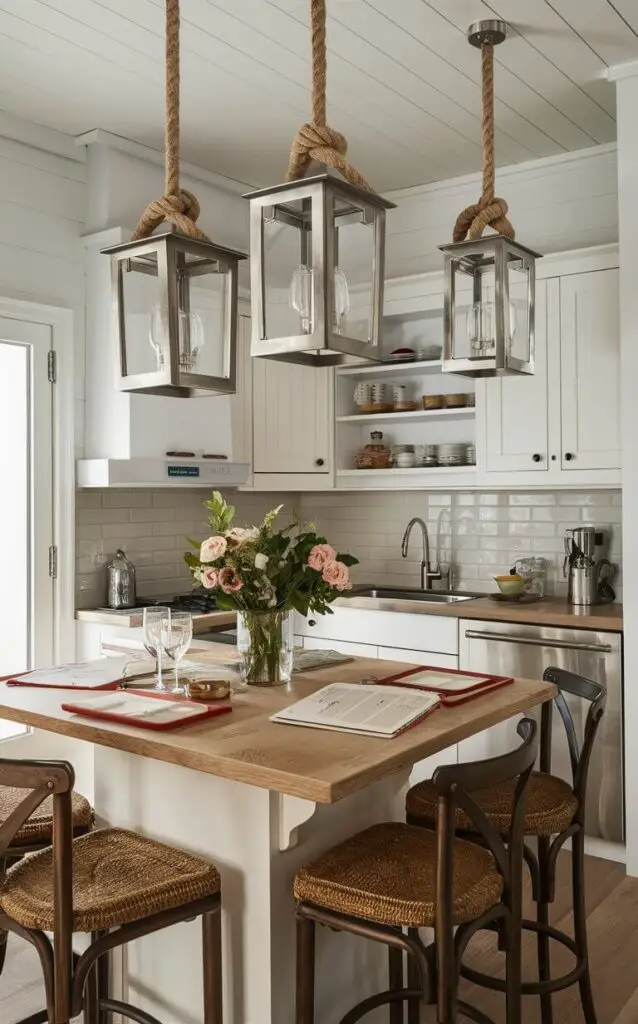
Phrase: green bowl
x=511 y=586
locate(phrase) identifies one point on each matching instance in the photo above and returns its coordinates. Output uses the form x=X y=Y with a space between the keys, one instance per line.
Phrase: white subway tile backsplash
x=481 y=534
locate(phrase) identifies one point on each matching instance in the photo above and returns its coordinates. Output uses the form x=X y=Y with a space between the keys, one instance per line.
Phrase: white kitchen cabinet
x=560 y=426
x=590 y=371
x=517 y=423
x=316 y=643
x=411 y=633
x=431 y=658
x=292 y=419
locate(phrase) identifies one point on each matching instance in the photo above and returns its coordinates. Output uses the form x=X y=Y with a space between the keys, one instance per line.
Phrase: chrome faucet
x=427 y=572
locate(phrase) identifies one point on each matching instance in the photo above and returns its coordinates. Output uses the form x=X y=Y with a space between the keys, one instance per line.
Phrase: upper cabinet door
x=590 y=371
x=292 y=418
x=516 y=420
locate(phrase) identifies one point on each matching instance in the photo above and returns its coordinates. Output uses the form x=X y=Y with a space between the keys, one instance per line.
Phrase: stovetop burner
x=200 y=602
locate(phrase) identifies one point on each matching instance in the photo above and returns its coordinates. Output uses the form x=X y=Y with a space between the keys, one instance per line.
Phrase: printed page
x=384 y=710
x=83 y=675
x=443 y=682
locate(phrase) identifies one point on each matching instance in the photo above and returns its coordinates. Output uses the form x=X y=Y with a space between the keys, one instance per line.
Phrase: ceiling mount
x=491 y=31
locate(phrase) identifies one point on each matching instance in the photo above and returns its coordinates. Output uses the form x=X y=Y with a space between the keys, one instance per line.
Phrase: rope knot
x=181 y=209
x=471 y=223
x=323 y=144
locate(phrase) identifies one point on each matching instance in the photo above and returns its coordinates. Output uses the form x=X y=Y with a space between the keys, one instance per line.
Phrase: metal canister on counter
x=121 y=582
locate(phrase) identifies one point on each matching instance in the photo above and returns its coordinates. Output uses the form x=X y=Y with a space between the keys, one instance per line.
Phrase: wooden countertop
x=130 y=618
x=309 y=763
x=551 y=611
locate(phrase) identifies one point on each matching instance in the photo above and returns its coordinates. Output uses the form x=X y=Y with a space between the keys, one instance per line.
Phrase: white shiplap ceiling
x=403 y=81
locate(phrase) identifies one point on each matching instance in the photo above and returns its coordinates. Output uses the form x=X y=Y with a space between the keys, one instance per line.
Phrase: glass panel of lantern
x=488 y=308
x=175 y=304
x=317 y=267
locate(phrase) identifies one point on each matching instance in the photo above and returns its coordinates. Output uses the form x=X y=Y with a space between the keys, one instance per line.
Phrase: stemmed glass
x=177 y=633
x=154 y=616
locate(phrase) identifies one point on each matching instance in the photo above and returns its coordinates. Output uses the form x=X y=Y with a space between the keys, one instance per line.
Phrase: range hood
x=173 y=472
x=134 y=440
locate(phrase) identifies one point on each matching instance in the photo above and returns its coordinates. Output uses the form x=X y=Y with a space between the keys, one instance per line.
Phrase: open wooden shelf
x=464 y=412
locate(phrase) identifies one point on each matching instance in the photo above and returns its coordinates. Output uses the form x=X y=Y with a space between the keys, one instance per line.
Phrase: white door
x=292 y=411
x=516 y=410
x=26 y=513
x=590 y=371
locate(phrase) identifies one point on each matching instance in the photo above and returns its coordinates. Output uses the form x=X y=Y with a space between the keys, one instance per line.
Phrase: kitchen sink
x=427 y=596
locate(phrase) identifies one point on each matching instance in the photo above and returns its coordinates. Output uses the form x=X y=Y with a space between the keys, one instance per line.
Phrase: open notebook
x=366 y=709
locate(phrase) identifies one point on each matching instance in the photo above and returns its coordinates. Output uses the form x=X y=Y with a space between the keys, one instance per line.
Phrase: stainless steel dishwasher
x=514 y=649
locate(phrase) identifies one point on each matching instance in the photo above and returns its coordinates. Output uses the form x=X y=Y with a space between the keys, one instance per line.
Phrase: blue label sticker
x=183 y=470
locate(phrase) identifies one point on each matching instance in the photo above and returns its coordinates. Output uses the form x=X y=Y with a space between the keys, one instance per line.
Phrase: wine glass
x=177 y=633
x=153 y=617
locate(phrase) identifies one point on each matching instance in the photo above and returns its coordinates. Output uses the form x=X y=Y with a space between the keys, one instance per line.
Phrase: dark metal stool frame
x=454 y=784
x=76 y=984
x=542 y=866
x=11 y=856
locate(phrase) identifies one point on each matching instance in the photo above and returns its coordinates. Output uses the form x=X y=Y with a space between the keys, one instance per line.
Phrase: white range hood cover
x=172 y=472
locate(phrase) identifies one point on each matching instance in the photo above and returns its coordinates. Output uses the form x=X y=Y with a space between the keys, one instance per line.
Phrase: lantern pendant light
x=175 y=294
x=489 y=301
x=317 y=246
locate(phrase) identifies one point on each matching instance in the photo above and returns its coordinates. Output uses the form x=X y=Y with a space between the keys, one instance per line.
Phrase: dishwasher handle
x=530 y=641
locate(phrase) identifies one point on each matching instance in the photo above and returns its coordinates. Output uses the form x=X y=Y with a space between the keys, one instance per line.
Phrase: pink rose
x=212 y=549
x=321 y=555
x=229 y=580
x=337 y=575
x=209 y=578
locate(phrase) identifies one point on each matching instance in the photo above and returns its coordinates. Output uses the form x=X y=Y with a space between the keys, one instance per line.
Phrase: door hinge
x=52 y=366
x=53 y=562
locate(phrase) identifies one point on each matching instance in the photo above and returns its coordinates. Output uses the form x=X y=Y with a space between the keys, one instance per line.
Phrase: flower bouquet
x=265 y=574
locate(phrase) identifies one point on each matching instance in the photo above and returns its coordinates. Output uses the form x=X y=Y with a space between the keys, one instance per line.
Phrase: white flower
x=212 y=549
x=238 y=535
x=261 y=560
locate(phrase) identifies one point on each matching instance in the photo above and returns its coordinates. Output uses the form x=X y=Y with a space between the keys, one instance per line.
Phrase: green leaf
x=196 y=544
x=347 y=559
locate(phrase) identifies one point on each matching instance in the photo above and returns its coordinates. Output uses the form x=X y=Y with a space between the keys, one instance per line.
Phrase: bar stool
x=390 y=880
x=36 y=834
x=115 y=884
x=554 y=809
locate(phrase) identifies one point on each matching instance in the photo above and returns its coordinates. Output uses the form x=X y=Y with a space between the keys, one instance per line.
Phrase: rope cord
x=489 y=211
x=177 y=206
x=315 y=140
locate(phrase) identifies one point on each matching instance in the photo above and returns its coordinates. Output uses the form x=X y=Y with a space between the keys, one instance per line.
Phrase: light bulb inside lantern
x=481 y=329
x=191 y=338
x=300 y=298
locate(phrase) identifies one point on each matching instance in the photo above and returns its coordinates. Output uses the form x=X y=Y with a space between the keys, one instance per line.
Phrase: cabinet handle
x=514 y=638
x=536 y=457
x=553 y=458
x=569 y=456
x=312 y=622
x=319 y=462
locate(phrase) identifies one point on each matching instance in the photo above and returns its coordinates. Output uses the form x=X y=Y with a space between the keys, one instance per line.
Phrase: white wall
x=42 y=209
x=555 y=204
x=627 y=103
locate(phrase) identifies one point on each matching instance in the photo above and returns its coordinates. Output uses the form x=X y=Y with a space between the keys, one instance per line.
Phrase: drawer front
x=433 y=633
x=319 y=643
x=432 y=658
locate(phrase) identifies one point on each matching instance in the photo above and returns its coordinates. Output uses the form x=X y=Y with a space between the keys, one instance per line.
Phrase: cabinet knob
x=569 y=456
x=312 y=622
x=319 y=462
x=537 y=457
x=553 y=458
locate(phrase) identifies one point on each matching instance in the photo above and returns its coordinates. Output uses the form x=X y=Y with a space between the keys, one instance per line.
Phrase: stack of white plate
x=452 y=454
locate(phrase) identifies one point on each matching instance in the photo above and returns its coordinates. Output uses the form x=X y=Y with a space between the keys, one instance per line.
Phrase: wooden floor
x=613 y=939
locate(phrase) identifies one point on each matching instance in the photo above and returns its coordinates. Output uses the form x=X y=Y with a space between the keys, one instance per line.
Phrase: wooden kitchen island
x=259 y=799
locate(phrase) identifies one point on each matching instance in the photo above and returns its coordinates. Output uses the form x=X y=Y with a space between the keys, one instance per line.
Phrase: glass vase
x=265 y=645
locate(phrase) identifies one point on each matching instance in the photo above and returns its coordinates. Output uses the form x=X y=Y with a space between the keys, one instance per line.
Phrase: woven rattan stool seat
x=118 y=876
x=39 y=827
x=387 y=874
x=550 y=805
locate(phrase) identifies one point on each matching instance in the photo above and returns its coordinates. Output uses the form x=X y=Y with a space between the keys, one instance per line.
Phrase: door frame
x=61 y=321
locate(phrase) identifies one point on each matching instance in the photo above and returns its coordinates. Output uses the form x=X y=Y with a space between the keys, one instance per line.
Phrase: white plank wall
x=42 y=216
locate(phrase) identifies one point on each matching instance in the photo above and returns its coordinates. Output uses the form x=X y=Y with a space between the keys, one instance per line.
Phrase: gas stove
x=198 y=602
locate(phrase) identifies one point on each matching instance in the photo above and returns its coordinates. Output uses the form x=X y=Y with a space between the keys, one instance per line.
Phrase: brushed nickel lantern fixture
x=489 y=301
x=175 y=293
x=317 y=246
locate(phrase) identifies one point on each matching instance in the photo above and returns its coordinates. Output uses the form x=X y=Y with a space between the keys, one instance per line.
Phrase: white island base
x=257 y=839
